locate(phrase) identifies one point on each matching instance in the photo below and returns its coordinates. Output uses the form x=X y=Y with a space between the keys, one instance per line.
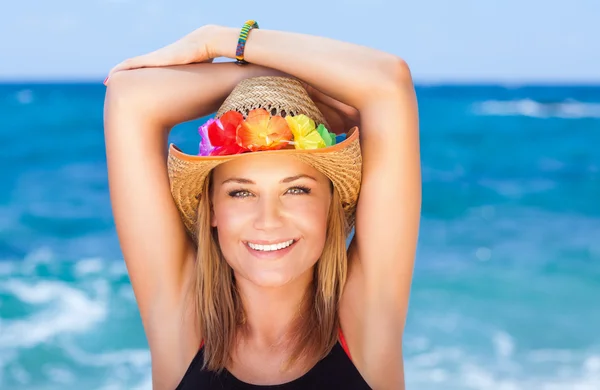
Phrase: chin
x=270 y=279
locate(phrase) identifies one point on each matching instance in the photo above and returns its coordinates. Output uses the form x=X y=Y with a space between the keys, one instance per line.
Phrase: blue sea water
x=507 y=281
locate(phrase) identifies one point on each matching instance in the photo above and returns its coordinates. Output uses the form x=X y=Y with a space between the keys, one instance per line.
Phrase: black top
x=335 y=371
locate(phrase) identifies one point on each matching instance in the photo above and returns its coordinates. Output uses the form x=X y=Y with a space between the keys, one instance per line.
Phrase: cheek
x=310 y=217
x=230 y=223
x=230 y=218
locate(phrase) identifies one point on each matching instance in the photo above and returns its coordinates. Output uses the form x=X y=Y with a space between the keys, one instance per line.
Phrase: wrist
x=224 y=41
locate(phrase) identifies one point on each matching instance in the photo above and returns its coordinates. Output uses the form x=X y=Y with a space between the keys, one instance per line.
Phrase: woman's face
x=271 y=217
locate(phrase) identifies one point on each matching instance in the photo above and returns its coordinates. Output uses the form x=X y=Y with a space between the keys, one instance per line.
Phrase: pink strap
x=343 y=342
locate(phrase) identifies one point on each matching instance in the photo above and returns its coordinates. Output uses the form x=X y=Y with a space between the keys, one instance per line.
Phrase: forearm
x=353 y=74
x=166 y=96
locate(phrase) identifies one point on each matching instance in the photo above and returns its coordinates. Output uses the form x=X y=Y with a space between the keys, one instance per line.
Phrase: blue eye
x=239 y=194
x=299 y=190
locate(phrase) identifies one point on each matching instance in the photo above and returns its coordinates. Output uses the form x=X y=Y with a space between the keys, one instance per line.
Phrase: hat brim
x=341 y=163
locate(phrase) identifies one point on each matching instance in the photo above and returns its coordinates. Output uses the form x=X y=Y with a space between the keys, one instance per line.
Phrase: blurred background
x=507 y=280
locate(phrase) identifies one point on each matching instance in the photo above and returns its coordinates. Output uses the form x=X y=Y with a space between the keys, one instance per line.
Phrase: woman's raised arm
x=141 y=107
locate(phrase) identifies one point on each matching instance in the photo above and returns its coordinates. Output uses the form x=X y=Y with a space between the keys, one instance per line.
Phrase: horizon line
x=417 y=82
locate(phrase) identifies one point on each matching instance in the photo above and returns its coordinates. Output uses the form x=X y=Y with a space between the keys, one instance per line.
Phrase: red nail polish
x=105 y=80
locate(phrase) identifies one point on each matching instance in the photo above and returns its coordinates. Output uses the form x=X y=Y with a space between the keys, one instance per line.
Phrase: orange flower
x=261 y=131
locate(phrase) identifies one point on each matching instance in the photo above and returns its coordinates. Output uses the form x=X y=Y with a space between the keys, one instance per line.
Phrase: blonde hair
x=218 y=305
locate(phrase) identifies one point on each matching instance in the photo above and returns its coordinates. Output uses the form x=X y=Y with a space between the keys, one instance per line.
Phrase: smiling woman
x=241 y=270
x=279 y=224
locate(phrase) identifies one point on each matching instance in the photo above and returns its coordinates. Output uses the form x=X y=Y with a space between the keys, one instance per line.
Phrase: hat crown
x=278 y=95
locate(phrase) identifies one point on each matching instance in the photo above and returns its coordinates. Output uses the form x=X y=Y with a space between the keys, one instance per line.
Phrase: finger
x=155 y=58
x=124 y=65
x=132 y=63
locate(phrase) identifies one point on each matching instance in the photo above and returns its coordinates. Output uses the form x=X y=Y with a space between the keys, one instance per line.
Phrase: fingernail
x=105 y=80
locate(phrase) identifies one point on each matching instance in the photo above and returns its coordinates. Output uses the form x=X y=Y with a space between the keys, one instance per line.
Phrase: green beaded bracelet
x=239 y=52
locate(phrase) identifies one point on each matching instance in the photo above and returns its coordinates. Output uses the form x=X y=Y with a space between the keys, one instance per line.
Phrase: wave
x=66 y=310
x=79 y=319
x=568 y=109
x=457 y=368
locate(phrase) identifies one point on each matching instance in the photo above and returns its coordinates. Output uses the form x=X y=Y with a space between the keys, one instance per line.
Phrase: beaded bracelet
x=239 y=53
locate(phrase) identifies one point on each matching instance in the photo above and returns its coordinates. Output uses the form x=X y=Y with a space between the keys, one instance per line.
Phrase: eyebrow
x=241 y=180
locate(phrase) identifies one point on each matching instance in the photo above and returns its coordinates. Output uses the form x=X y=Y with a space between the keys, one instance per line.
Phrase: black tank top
x=335 y=371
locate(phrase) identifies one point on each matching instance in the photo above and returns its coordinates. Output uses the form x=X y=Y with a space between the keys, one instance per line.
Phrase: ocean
x=506 y=287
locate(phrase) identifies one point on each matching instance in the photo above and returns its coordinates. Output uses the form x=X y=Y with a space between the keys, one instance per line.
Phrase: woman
x=267 y=293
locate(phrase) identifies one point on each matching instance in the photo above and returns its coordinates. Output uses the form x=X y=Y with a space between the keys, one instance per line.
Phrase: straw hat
x=341 y=163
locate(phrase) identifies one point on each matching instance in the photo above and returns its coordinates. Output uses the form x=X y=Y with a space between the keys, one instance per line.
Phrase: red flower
x=222 y=134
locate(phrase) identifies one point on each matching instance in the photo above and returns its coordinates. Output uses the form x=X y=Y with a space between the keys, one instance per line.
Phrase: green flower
x=328 y=137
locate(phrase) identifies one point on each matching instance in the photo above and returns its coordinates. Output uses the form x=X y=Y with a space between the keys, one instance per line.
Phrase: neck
x=271 y=311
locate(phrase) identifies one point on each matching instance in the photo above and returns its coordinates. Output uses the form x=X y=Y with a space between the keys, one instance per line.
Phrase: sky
x=480 y=41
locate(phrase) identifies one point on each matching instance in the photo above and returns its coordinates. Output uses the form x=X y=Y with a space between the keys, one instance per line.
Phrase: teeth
x=273 y=247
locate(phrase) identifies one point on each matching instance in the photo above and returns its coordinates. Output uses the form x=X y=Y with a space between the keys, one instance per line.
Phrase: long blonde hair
x=218 y=305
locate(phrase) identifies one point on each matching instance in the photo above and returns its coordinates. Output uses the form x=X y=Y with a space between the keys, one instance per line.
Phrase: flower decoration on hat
x=261 y=131
x=219 y=136
x=306 y=135
x=205 y=146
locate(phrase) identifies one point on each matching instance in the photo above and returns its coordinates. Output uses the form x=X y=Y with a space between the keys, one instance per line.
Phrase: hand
x=341 y=117
x=192 y=48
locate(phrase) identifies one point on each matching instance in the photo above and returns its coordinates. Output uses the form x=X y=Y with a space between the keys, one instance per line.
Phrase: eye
x=299 y=190
x=239 y=193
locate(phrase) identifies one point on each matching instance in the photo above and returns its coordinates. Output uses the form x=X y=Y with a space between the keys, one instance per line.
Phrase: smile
x=271 y=247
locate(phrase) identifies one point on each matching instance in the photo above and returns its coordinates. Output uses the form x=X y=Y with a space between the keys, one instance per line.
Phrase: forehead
x=257 y=166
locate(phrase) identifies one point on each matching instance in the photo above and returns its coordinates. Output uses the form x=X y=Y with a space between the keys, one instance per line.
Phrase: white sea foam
x=66 y=310
x=504 y=344
x=55 y=311
x=125 y=368
x=449 y=368
x=41 y=255
x=117 y=269
x=569 y=109
x=144 y=384
x=138 y=358
x=58 y=374
x=551 y=356
x=88 y=266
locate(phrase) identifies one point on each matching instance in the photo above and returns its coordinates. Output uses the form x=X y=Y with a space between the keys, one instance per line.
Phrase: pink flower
x=205 y=146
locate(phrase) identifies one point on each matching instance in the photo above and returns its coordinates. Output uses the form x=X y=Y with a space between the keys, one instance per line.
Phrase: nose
x=268 y=214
